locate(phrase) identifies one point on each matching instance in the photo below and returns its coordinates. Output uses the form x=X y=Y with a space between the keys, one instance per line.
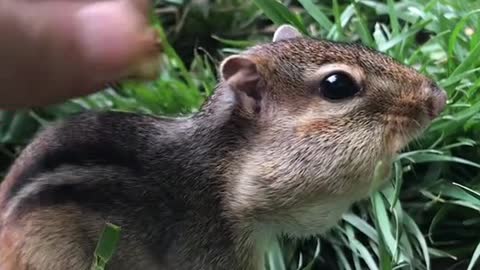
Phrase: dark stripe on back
x=107 y=138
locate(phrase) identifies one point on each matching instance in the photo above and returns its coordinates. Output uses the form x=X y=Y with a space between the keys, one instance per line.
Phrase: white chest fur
x=308 y=220
x=316 y=218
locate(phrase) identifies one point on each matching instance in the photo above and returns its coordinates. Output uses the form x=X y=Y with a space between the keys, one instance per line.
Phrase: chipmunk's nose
x=439 y=101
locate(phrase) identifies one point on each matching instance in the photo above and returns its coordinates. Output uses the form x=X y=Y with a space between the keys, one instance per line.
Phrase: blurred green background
x=429 y=217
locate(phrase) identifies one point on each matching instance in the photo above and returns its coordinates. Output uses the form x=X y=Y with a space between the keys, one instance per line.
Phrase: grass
x=106 y=246
x=429 y=216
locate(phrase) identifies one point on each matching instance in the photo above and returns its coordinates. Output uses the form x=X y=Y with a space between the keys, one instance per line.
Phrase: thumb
x=57 y=50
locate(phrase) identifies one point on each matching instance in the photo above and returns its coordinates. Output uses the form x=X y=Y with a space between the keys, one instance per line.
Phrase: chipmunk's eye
x=338 y=85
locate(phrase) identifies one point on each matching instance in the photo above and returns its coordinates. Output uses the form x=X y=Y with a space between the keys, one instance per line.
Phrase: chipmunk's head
x=325 y=114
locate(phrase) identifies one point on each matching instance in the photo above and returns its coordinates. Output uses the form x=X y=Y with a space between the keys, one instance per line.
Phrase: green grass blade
x=275 y=257
x=280 y=14
x=342 y=258
x=338 y=20
x=452 y=42
x=362 y=27
x=234 y=43
x=403 y=36
x=470 y=191
x=439 y=216
x=392 y=13
x=106 y=246
x=384 y=227
x=413 y=228
x=316 y=14
x=475 y=256
x=426 y=157
x=361 y=225
x=398 y=182
x=18 y=128
x=472 y=59
x=366 y=255
x=341 y=22
x=350 y=233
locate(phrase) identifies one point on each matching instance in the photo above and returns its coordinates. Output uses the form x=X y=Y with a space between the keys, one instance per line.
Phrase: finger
x=143 y=6
x=62 y=49
x=115 y=38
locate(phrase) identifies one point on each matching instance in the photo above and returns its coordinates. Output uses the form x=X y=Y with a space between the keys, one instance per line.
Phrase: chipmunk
x=287 y=143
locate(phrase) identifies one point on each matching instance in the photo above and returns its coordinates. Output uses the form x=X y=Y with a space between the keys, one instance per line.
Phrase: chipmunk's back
x=101 y=162
x=290 y=139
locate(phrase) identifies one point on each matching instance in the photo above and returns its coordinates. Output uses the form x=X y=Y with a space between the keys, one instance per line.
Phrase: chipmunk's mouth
x=402 y=130
x=408 y=122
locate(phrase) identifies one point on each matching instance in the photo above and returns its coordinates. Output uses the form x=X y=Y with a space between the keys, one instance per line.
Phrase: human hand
x=52 y=50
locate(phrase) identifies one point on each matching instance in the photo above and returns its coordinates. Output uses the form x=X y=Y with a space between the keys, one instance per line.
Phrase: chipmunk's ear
x=286 y=31
x=241 y=74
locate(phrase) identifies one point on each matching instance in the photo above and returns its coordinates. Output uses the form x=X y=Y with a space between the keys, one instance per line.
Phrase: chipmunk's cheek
x=314 y=127
x=397 y=133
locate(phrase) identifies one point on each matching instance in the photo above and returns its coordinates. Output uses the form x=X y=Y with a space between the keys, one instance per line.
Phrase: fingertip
x=115 y=39
x=143 y=6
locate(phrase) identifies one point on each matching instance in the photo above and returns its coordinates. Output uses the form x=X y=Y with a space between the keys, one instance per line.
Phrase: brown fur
x=266 y=156
x=316 y=126
x=50 y=238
